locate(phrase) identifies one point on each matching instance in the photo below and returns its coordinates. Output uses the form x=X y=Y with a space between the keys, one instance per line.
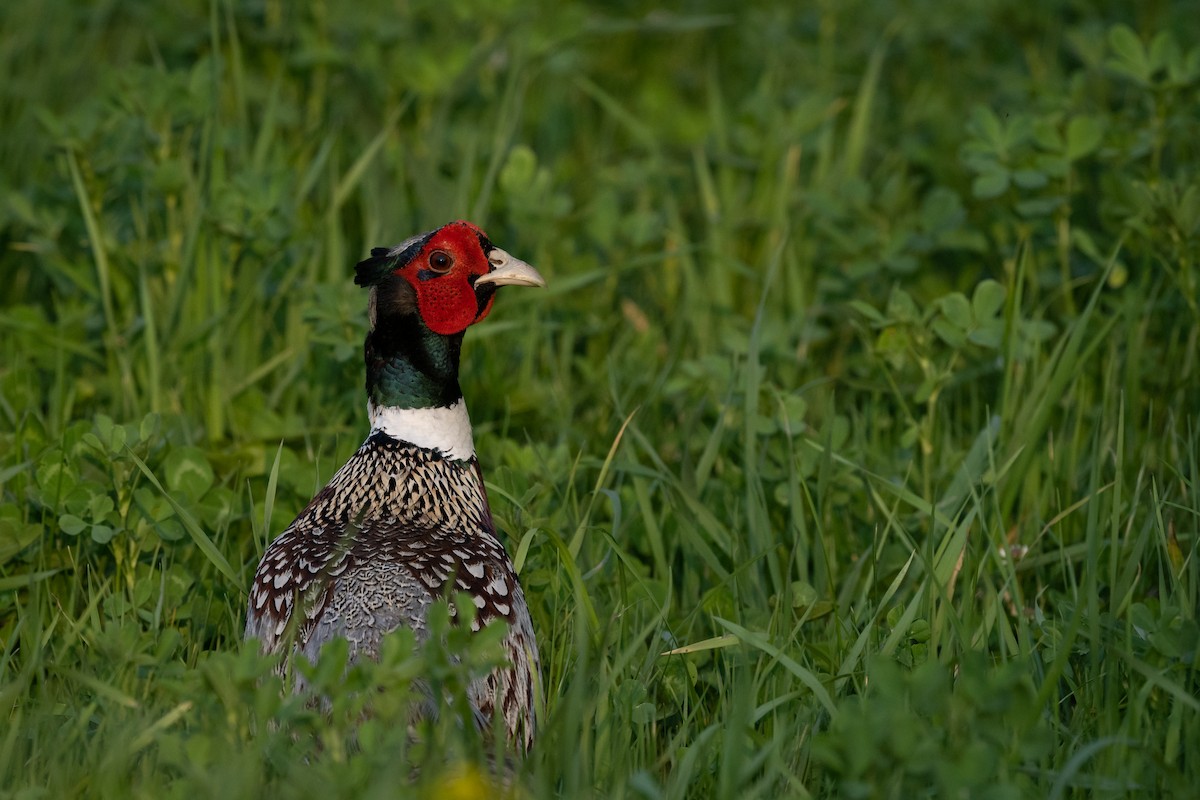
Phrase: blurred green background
x=866 y=385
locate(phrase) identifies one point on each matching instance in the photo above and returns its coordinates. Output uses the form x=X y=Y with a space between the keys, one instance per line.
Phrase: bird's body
x=406 y=520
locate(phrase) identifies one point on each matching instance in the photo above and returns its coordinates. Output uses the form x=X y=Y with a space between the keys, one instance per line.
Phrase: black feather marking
x=384 y=261
x=485 y=243
x=371 y=271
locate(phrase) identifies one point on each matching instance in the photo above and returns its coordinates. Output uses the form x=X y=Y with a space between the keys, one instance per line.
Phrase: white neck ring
x=445 y=429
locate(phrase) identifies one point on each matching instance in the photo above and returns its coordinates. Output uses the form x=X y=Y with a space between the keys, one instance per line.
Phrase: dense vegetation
x=854 y=449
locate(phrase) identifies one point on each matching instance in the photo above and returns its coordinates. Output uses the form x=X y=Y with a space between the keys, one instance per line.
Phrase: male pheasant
x=406 y=520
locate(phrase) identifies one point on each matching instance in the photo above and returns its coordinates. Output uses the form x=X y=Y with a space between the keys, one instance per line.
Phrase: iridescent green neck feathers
x=410 y=366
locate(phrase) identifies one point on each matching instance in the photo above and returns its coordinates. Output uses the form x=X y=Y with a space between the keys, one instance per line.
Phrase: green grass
x=867 y=384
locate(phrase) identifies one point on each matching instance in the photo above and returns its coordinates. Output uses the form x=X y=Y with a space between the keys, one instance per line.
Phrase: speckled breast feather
x=396 y=528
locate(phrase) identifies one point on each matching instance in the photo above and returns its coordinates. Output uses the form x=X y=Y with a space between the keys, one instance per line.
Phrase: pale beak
x=510 y=271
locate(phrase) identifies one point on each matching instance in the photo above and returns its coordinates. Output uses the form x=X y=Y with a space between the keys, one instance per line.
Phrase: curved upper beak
x=510 y=271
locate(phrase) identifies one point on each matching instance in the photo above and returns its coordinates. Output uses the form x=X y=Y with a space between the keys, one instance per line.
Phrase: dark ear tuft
x=371 y=271
x=385 y=260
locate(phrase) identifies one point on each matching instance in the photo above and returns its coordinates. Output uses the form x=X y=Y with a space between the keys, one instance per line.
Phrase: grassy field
x=853 y=451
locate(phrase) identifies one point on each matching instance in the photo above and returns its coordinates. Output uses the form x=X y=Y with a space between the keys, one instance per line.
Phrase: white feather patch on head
x=447 y=430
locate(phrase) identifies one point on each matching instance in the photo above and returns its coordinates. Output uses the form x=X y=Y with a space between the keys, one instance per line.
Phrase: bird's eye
x=440 y=261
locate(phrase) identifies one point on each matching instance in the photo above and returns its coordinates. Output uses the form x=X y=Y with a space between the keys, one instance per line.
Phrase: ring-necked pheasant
x=406 y=520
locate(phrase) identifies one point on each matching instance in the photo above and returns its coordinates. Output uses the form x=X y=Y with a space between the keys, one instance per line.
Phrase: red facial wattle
x=443 y=273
